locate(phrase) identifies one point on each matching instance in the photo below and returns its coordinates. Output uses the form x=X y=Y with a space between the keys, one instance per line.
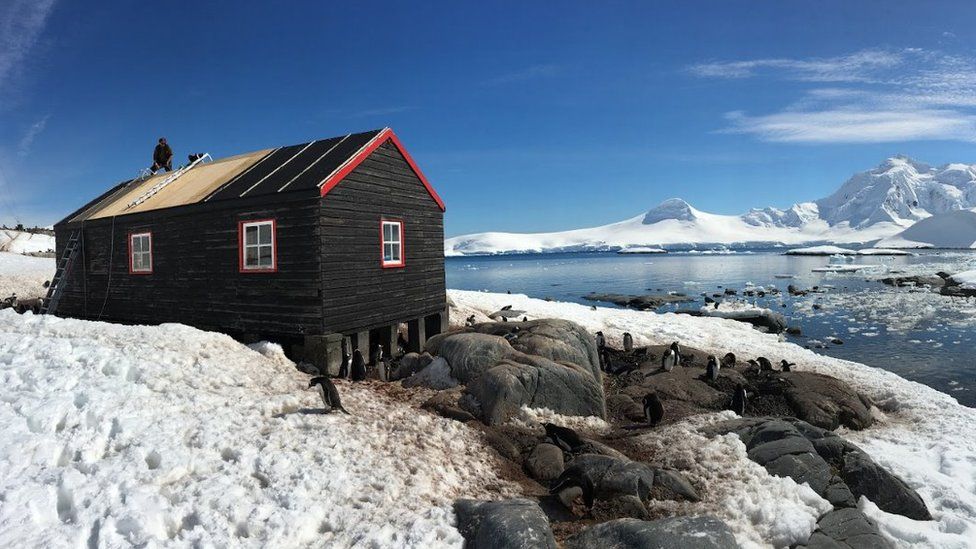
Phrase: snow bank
x=928 y=438
x=948 y=230
x=170 y=436
x=641 y=250
x=966 y=279
x=820 y=250
x=20 y=242
x=882 y=251
x=24 y=275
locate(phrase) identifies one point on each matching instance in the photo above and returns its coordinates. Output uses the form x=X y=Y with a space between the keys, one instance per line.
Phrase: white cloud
x=849 y=125
x=21 y=23
x=24 y=146
x=875 y=96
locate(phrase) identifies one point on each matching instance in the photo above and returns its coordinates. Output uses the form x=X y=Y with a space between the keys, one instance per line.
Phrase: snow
x=966 y=279
x=820 y=250
x=844 y=268
x=21 y=242
x=641 y=250
x=871 y=206
x=949 y=230
x=436 y=375
x=924 y=436
x=24 y=275
x=169 y=436
x=882 y=251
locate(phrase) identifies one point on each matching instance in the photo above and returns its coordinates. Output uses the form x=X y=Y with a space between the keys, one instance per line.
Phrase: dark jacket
x=162 y=154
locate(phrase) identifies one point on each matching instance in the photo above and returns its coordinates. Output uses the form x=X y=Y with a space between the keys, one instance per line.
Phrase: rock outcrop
x=508 y=524
x=699 y=532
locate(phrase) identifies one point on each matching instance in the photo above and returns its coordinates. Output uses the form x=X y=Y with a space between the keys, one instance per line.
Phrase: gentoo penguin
x=728 y=361
x=753 y=364
x=470 y=321
x=764 y=364
x=564 y=437
x=330 y=396
x=653 y=409
x=382 y=365
x=739 y=400
x=601 y=351
x=571 y=485
x=358 y=366
x=671 y=357
x=628 y=342
x=344 y=367
x=711 y=369
x=786 y=365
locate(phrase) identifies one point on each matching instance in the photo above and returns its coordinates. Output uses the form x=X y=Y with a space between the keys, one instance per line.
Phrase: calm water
x=917 y=334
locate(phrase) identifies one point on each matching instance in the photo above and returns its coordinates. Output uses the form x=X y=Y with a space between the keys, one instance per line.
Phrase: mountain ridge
x=871 y=205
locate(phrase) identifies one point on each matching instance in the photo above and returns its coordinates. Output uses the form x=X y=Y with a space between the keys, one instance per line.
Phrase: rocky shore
x=593 y=470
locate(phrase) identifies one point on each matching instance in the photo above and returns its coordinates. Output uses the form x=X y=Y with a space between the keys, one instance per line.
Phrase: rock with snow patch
x=614 y=477
x=436 y=375
x=410 y=364
x=702 y=532
x=553 y=338
x=470 y=354
x=507 y=524
x=846 y=529
x=825 y=401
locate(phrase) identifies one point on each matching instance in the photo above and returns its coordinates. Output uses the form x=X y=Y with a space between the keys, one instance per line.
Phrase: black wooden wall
x=196 y=278
x=357 y=292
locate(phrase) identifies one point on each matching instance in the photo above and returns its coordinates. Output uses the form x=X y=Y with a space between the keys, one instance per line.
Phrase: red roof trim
x=384 y=136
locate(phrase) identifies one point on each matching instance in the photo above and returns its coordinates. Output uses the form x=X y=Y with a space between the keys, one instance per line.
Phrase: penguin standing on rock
x=786 y=365
x=330 y=396
x=382 y=366
x=470 y=321
x=653 y=409
x=601 y=351
x=764 y=364
x=358 y=366
x=712 y=368
x=671 y=357
x=739 y=399
x=564 y=437
x=571 y=485
x=628 y=342
x=728 y=361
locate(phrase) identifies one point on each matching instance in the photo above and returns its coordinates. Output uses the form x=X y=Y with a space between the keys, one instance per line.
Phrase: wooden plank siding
x=196 y=278
x=358 y=294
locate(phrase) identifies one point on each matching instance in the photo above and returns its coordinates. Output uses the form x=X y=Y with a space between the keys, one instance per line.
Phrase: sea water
x=918 y=334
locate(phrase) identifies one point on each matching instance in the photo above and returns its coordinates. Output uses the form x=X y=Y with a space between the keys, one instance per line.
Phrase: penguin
x=628 y=342
x=571 y=485
x=358 y=366
x=764 y=364
x=601 y=351
x=330 y=396
x=470 y=321
x=564 y=437
x=786 y=365
x=525 y=319
x=671 y=357
x=344 y=367
x=653 y=409
x=728 y=361
x=601 y=341
x=712 y=368
x=739 y=400
x=382 y=365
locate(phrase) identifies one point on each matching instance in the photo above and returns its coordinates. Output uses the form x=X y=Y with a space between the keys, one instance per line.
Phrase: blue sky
x=525 y=117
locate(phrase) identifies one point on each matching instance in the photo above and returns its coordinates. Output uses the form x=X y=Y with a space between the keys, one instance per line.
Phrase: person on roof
x=162 y=157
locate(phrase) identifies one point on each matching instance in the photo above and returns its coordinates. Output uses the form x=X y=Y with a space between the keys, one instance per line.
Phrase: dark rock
x=825 y=401
x=621 y=406
x=888 y=492
x=545 y=462
x=410 y=364
x=613 y=477
x=620 y=507
x=508 y=524
x=699 y=532
x=794 y=330
x=471 y=354
x=846 y=529
x=639 y=302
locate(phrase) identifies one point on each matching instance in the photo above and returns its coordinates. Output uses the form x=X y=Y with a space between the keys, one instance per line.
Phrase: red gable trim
x=352 y=163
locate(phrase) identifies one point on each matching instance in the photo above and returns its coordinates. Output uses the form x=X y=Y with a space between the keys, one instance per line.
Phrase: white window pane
x=136 y=244
x=264 y=234
x=265 y=253
x=250 y=234
x=396 y=252
x=386 y=232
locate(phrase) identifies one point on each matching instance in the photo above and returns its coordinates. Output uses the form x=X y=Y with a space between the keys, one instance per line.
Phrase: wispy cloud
x=871 y=96
x=521 y=75
x=21 y=23
x=25 y=143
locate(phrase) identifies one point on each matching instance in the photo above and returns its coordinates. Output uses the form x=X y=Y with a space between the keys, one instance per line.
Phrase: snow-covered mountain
x=955 y=229
x=870 y=206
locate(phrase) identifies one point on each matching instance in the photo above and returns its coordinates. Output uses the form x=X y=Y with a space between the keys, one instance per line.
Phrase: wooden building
x=305 y=245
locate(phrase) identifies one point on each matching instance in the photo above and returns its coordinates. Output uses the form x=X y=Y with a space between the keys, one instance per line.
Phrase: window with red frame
x=392 y=243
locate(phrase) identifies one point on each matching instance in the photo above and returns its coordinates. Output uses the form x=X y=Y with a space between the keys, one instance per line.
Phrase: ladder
x=65 y=262
x=171 y=178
